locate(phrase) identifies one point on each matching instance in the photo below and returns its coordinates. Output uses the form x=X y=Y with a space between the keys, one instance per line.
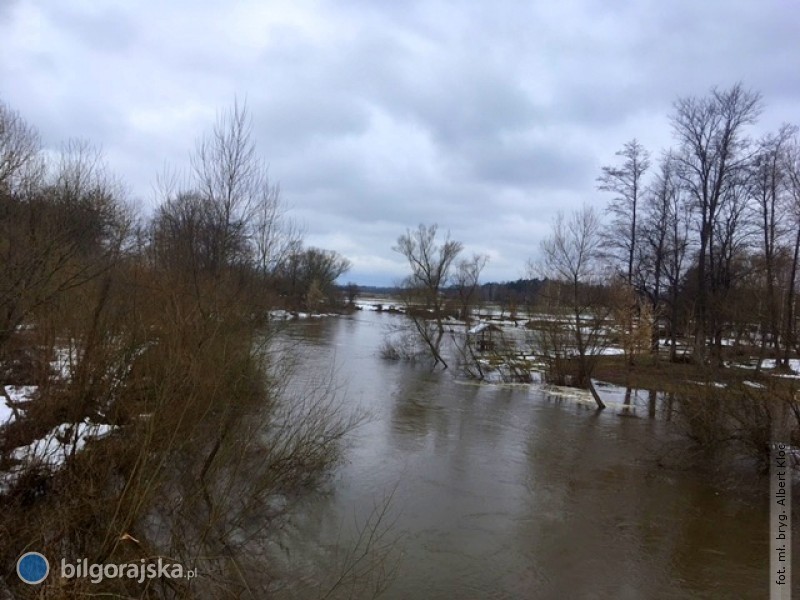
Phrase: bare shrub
x=400 y=342
x=740 y=419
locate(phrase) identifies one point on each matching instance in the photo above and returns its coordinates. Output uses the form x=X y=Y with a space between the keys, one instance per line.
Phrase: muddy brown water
x=510 y=491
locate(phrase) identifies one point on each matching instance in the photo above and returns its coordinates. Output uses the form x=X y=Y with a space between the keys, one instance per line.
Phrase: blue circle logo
x=32 y=568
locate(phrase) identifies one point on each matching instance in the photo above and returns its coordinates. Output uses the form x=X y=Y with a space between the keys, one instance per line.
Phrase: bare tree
x=632 y=317
x=184 y=231
x=57 y=236
x=274 y=235
x=728 y=264
x=792 y=169
x=467 y=281
x=351 y=291
x=21 y=162
x=768 y=184
x=305 y=269
x=626 y=182
x=431 y=265
x=229 y=173
x=712 y=151
x=666 y=231
x=655 y=236
x=571 y=258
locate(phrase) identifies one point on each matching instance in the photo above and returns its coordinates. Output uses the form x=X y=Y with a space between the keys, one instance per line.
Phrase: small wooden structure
x=482 y=335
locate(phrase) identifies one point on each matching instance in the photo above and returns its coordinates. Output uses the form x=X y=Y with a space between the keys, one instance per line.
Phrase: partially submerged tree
x=431 y=263
x=570 y=259
x=304 y=268
x=467 y=284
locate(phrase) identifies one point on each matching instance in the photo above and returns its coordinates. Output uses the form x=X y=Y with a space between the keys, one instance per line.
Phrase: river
x=511 y=491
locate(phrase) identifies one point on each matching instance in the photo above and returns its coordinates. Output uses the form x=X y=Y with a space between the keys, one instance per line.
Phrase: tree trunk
x=600 y=404
x=789 y=337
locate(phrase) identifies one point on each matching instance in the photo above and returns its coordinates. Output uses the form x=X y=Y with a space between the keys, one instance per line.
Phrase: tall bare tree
x=768 y=186
x=657 y=212
x=626 y=182
x=792 y=169
x=674 y=213
x=229 y=173
x=712 y=151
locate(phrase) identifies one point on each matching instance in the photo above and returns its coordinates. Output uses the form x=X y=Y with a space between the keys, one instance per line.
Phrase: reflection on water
x=507 y=491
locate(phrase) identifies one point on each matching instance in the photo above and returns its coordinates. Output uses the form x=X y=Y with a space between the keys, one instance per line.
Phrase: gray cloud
x=375 y=116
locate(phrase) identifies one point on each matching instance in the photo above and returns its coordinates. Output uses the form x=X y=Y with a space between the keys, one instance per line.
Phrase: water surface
x=508 y=491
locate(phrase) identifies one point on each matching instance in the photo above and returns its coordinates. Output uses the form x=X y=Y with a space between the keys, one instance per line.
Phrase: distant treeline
x=519 y=292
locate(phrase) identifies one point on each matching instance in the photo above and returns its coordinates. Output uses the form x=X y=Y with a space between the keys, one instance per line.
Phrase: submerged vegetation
x=697 y=264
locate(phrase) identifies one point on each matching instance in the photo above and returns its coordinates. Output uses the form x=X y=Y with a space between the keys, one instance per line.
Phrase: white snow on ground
x=285 y=315
x=60 y=442
x=771 y=363
x=611 y=351
x=363 y=306
x=716 y=384
x=20 y=393
x=6 y=413
x=666 y=343
x=479 y=328
x=13 y=400
x=511 y=324
x=52 y=450
x=65 y=361
x=753 y=384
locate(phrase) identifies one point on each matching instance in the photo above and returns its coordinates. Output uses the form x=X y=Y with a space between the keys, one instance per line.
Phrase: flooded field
x=516 y=491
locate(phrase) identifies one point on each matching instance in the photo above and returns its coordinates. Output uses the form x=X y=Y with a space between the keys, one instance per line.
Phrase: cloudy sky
x=484 y=117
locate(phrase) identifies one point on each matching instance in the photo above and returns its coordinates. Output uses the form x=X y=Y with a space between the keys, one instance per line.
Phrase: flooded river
x=507 y=491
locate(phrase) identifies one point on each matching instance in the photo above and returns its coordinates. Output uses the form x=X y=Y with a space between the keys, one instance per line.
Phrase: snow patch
x=611 y=351
x=15 y=398
x=771 y=363
x=59 y=443
x=716 y=384
x=279 y=315
x=20 y=393
x=753 y=384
